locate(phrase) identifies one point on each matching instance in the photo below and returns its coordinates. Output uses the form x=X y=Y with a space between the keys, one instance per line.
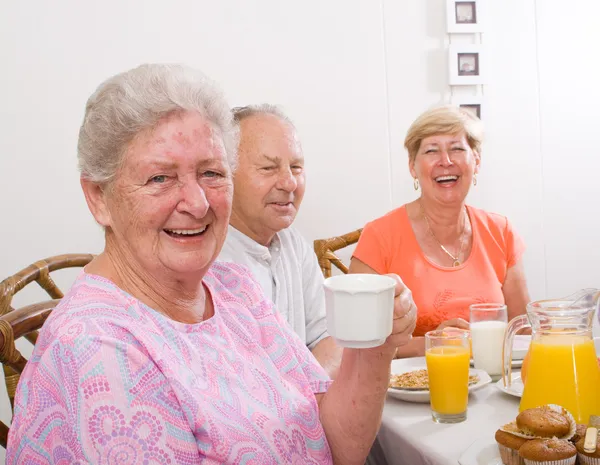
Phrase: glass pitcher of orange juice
x=562 y=367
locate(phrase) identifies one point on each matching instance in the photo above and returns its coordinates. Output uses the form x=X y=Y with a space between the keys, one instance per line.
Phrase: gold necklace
x=455 y=259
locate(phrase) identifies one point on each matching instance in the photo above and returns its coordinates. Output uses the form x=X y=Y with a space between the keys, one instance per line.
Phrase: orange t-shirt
x=388 y=245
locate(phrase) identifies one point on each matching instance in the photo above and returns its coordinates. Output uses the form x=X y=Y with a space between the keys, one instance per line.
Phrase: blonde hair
x=446 y=119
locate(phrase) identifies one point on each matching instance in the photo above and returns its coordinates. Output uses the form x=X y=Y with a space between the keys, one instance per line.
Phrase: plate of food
x=409 y=381
x=545 y=434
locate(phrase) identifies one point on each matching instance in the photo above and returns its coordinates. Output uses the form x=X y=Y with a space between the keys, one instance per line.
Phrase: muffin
x=579 y=433
x=544 y=422
x=508 y=445
x=587 y=458
x=548 y=452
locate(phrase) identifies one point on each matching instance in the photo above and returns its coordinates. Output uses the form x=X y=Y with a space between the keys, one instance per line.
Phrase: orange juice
x=448 y=370
x=563 y=370
x=450 y=331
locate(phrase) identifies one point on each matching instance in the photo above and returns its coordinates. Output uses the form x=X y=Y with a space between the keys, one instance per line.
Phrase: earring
x=474 y=179
x=416 y=184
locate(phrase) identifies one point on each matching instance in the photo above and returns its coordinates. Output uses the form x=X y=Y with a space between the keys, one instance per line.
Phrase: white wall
x=569 y=71
x=352 y=74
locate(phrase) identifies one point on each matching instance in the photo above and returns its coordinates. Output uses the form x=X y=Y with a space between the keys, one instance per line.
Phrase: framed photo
x=464 y=17
x=466 y=65
x=472 y=103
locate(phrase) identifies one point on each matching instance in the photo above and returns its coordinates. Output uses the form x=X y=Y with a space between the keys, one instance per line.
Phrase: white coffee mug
x=360 y=309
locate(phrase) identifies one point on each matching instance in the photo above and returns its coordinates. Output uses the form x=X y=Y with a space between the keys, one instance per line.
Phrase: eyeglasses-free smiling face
x=170 y=202
x=269 y=180
x=445 y=165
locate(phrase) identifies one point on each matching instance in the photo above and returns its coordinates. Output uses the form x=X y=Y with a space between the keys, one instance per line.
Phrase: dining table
x=409 y=436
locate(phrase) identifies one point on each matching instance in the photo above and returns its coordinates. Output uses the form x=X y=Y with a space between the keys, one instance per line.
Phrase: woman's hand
x=405 y=315
x=454 y=323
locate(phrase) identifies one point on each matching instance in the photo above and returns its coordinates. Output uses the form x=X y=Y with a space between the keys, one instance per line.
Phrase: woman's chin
x=451 y=196
x=189 y=264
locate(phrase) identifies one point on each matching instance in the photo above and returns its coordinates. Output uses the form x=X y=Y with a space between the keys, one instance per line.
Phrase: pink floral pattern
x=111 y=381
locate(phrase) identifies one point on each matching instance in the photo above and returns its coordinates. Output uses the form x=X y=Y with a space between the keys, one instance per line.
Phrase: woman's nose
x=193 y=200
x=445 y=159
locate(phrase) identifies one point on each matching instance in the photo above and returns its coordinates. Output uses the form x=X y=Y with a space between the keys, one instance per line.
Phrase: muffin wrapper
x=513 y=429
x=585 y=460
x=569 y=461
x=510 y=456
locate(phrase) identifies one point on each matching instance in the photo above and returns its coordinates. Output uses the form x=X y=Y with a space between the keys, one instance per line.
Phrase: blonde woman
x=449 y=254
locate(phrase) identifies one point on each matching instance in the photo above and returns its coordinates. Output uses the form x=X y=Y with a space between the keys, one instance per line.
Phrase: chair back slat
x=3 y=435
x=325 y=248
x=25 y=321
x=39 y=272
x=9 y=354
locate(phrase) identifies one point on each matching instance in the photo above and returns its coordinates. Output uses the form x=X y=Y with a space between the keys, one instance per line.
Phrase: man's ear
x=95 y=196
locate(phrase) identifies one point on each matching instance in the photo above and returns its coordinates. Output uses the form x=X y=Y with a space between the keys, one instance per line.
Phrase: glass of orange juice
x=447 y=355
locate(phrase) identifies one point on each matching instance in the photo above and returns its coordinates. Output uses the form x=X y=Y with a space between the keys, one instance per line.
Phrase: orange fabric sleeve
x=370 y=249
x=515 y=246
x=380 y=241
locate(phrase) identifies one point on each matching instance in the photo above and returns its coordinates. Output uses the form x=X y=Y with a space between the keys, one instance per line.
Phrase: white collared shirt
x=289 y=274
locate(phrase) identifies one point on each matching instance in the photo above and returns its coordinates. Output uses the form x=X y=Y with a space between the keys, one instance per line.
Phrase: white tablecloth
x=408 y=435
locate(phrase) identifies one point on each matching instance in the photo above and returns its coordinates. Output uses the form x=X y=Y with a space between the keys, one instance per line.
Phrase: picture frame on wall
x=466 y=65
x=464 y=17
x=473 y=103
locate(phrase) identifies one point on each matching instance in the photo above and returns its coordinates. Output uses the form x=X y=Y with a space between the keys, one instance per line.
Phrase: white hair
x=240 y=113
x=137 y=100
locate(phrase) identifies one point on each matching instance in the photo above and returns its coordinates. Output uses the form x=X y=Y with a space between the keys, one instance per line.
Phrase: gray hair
x=137 y=100
x=240 y=113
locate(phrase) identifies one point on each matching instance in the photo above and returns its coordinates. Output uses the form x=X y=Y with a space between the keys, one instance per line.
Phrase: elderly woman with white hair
x=158 y=354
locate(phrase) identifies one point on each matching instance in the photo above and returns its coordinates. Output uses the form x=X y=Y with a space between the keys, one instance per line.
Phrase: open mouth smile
x=182 y=233
x=446 y=179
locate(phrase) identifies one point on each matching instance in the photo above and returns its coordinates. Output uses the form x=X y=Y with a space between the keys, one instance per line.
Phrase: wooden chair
x=325 y=248
x=24 y=322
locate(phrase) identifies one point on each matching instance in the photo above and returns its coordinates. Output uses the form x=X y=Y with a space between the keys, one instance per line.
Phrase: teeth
x=187 y=232
x=446 y=178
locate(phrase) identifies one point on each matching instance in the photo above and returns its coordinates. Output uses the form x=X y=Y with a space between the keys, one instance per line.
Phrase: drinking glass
x=447 y=357
x=488 y=323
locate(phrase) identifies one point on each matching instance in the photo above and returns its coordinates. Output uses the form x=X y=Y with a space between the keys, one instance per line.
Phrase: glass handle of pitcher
x=514 y=325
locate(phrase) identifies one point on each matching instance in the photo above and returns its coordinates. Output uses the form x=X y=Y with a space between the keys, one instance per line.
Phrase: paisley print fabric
x=111 y=381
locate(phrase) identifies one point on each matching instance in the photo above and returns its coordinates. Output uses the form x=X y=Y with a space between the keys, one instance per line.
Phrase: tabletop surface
x=408 y=435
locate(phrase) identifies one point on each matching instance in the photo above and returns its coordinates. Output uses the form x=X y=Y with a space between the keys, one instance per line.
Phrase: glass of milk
x=488 y=323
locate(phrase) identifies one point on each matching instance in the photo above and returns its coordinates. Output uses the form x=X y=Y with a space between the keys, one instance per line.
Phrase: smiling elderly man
x=269 y=186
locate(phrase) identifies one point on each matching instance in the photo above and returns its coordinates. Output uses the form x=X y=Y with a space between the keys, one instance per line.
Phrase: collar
x=254 y=248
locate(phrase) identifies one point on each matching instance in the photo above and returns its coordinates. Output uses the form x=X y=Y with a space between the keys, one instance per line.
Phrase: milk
x=487 y=338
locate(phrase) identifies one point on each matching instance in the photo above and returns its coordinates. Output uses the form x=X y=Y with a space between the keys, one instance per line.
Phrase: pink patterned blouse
x=111 y=381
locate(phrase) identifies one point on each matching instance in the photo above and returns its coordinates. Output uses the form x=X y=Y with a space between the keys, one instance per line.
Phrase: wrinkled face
x=445 y=165
x=170 y=202
x=269 y=180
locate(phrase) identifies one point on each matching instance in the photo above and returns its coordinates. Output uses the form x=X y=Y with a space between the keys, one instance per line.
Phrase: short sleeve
x=515 y=246
x=371 y=249
x=97 y=399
